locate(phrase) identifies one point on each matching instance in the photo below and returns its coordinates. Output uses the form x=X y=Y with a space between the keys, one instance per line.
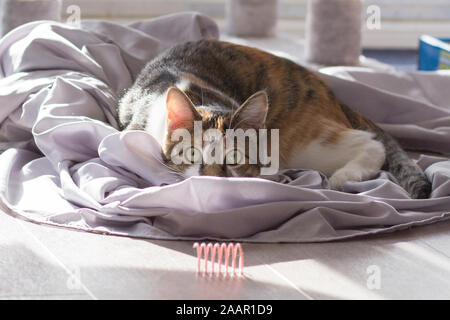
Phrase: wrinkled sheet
x=65 y=163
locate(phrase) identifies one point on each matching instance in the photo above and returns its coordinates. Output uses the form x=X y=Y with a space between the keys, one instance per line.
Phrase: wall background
x=402 y=21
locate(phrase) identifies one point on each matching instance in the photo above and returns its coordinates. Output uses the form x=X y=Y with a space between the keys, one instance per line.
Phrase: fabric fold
x=65 y=163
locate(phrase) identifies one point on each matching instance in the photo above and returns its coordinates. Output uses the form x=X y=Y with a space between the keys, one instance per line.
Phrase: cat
x=230 y=86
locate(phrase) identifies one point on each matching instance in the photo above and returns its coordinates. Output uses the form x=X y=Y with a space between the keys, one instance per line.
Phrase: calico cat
x=229 y=86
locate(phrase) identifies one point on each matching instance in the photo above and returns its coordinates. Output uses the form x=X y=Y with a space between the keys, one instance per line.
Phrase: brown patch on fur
x=213 y=170
x=301 y=105
x=334 y=132
x=302 y=113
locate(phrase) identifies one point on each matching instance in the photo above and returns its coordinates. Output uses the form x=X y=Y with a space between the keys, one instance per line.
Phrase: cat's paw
x=343 y=175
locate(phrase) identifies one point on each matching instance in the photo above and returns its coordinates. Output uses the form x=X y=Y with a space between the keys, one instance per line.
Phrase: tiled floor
x=41 y=262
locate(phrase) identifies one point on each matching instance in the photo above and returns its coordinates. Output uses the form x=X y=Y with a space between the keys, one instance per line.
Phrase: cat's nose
x=213 y=170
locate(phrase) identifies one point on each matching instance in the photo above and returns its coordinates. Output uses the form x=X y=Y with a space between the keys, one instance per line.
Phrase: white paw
x=343 y=175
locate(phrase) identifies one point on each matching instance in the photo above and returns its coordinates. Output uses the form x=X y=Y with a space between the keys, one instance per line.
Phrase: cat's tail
x=408 y=174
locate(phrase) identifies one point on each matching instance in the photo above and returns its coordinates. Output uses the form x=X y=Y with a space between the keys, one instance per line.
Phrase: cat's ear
x=181 y=112
x=252 y=113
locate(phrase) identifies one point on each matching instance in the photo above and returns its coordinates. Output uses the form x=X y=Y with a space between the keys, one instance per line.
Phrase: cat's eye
x=234 y=157
x=192 y=155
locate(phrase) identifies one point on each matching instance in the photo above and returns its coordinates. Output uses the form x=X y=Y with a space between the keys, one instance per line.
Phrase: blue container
x=434 y=53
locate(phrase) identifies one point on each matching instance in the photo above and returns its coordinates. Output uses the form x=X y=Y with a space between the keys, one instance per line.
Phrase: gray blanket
x=65 y=163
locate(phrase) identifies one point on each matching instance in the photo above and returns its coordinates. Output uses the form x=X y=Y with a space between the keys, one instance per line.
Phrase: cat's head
x=199 y=140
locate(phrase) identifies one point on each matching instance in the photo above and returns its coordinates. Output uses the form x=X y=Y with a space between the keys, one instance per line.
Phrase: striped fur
x=408 y=174
x=314 y=127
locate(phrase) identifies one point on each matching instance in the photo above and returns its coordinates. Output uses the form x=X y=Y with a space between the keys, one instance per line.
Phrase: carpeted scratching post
x=251 y=18
x=14 y=13
x=333 y=32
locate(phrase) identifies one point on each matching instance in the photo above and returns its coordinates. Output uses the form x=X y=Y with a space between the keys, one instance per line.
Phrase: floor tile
x=437 y=236
x=42 y=262
x=28 y=269
x=123 y=268
x=394 y=266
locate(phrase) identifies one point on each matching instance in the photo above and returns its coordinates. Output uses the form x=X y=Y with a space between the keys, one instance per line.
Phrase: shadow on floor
x=24 y=274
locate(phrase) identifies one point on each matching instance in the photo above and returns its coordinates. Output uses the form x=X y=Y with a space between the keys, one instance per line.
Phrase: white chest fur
x=355 y=157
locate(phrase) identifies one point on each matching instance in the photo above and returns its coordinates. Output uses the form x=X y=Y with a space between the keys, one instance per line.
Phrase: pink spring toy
x=221 y=250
